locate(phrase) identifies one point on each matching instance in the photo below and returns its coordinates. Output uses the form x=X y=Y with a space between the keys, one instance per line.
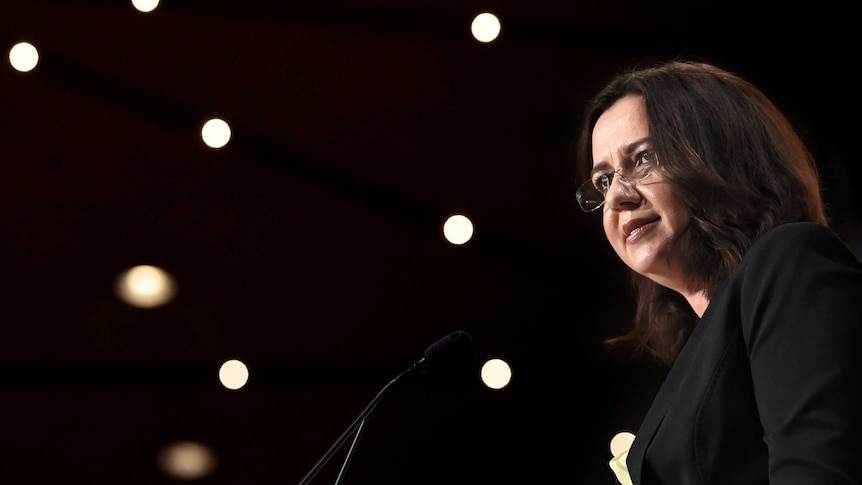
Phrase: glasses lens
x=588 y=197
x=647 y=167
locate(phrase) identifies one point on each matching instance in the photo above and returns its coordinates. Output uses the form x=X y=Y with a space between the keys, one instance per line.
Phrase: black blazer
x=767 y=388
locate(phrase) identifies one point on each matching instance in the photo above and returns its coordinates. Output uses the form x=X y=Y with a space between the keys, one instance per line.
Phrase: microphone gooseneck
x=447 y=357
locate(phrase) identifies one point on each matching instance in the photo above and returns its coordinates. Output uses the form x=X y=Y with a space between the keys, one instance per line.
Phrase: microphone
x=449 y=359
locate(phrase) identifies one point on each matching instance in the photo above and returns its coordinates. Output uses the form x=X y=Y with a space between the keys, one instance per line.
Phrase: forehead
x=618 y=127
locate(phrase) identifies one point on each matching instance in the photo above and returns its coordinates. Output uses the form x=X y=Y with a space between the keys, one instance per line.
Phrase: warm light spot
x=186 y=460
x=145 y=286
x=215 y=133
x=485 y=27
x=233 y=374
x=145 y=5
x=621 y=442
x=458 y=229
x=23 y=56
x=496 y=373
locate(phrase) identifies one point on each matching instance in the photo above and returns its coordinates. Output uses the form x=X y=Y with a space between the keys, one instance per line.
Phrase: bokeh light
x=485 y=27
x=145 y=6
x=145 y=286
x=621 y=442
x=496 y=373
x=24 y=56
x=215 y=133
x=186 y=460
x=458 y=229
x=233 y=374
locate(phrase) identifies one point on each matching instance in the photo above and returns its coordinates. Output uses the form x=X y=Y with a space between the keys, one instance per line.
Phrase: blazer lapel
x=648 y=428
x=666 y=395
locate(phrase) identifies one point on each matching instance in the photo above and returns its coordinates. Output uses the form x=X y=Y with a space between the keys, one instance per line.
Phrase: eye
x=602 y=181
x=645 y=161
x=643 y=157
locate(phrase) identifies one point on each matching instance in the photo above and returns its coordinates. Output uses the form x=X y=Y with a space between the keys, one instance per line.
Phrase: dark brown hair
x=734 y=161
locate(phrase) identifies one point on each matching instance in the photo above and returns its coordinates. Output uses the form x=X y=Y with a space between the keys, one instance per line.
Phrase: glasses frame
x=588 y=189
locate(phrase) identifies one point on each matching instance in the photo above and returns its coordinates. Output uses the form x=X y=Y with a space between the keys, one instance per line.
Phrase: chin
x=643 y=262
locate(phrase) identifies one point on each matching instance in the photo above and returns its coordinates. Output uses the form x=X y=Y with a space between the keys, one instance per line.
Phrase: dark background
x=310 y=247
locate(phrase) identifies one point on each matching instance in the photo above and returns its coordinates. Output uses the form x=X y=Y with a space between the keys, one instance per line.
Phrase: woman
x=709 y=196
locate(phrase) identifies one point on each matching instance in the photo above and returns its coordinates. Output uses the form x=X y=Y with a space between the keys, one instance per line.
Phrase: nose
x=621 y=194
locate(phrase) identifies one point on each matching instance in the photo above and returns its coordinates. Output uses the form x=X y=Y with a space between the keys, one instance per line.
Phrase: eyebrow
x=628 y=150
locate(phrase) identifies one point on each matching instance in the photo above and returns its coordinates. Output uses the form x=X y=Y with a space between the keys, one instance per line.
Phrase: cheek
x=677 y=218
x=610 y=227
x=607 y=224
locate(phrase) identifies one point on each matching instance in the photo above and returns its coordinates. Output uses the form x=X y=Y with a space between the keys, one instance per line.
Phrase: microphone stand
x=359 y=424
x=359 y=432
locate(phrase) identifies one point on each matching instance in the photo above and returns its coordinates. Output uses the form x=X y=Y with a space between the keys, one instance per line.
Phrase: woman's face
x=640 y=218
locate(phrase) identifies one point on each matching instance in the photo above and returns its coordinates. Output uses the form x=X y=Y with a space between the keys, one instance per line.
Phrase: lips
x=632 y=225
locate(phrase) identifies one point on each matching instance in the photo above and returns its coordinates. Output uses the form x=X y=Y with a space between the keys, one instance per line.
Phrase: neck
x=698 y=301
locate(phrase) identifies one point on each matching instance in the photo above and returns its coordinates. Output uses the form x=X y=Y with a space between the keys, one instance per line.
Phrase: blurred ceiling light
x=485 y=27
x=186 y=460
x=145 y=286
x=215 y=133
x=145 y=5
x=23 y=56
x=458 y=229
x=233 y=374
x=496 y=373
x=621 y=442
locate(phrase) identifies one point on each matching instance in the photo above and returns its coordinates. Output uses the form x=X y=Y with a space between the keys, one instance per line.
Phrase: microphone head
x=452 y=359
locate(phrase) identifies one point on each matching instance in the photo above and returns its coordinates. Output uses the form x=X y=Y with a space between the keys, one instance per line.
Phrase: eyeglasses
x=591 y=194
